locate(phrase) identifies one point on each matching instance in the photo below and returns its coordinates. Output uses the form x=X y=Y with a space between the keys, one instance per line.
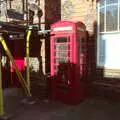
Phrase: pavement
x=92 y=109
x=36 y=109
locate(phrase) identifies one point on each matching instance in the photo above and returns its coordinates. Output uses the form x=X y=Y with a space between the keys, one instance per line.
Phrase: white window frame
x=99 y=64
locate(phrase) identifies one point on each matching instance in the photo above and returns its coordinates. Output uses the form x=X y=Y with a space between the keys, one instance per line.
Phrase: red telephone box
x=68 y=61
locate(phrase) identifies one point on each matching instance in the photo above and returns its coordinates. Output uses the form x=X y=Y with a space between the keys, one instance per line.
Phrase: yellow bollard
x=27 y=58
x=20 y=77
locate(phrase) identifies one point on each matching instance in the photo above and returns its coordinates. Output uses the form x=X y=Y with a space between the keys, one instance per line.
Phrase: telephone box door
x=61 y=57
x=67 y=61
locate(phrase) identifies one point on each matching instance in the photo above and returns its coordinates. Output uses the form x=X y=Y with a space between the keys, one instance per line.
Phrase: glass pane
x=61 y=54
x=61 y=60
x=17 y=7
x=119 y=17
x=3 y=10
x=61 y=39
x=56 y=68
x=111 y=1
x=111 y=17
x=57 y=60
x=102 y=3
x=102 y=17
x=62 y=47
x=102 y=50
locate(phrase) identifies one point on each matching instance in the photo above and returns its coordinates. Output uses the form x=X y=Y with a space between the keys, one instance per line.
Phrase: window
x=111 y=18
x=13 y=9
x=62 y=50
x=102 y=23
x=108 y=12
x=19 y=7
x=108 y=34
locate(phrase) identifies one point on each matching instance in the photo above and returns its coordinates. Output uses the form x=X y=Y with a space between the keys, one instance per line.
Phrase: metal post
x=1 y=89
x=27 y=58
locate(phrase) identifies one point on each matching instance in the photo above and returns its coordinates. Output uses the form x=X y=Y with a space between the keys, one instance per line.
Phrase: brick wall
x=80 y=10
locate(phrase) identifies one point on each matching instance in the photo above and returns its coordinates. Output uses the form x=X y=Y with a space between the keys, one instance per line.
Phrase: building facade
x=102 y=20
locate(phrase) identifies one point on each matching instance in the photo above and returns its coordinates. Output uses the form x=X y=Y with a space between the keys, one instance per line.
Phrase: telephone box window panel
x=61 y=60
x=68 y=60
x=62 y=54
x=62 y=47
x=62 y=39
x=62 y=50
